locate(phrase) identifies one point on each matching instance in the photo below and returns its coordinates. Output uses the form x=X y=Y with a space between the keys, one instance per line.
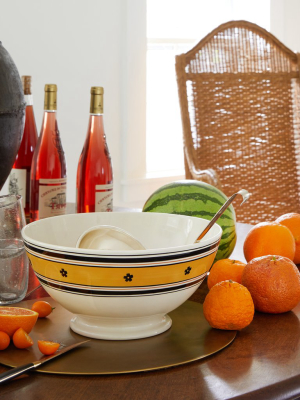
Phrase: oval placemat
x=189 y=339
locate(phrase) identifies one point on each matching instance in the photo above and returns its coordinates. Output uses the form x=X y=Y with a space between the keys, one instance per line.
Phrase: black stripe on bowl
x=133 y=293
x=117 y=288
x=146 y=264
x=113 y=259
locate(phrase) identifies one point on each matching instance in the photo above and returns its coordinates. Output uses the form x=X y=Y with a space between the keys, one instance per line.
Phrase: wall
x=285 y=22
x=75 y=44
x=78 y=44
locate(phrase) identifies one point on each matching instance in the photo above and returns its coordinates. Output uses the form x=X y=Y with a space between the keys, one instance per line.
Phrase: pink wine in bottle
x=48 y=182
x=94 y=172
x=19 y=178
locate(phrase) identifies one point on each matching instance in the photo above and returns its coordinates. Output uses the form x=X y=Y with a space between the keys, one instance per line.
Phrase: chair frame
x=189 y=69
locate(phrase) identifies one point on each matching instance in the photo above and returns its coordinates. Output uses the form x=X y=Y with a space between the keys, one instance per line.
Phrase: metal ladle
x=107 y=237
x=242 y=192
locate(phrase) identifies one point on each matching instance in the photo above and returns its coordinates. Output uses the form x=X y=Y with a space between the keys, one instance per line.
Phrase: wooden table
x=263 y=362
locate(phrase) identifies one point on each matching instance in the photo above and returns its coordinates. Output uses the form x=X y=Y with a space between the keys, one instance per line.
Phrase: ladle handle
x=242 y=192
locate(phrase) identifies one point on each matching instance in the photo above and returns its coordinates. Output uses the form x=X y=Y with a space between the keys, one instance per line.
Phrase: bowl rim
x=208 y=242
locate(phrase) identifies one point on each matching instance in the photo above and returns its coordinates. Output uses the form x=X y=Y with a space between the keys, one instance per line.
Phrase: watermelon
x=197 y=199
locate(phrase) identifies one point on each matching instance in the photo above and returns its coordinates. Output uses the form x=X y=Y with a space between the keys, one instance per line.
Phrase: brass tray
x=189 y=339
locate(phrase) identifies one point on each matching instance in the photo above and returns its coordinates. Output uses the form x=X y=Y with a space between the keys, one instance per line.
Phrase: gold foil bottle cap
x=50 y=97
x=97 y=90
x=96 y=106
x=50 y=88
x=26 y=82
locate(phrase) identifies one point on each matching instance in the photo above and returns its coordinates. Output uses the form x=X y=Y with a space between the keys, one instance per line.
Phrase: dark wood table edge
x=276 y=391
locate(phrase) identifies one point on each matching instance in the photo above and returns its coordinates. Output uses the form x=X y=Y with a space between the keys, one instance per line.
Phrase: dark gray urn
x=12 y=113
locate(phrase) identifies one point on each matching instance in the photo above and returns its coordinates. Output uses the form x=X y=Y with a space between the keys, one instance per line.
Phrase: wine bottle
x=48 y=181
x=94 y=173
x=19 y=178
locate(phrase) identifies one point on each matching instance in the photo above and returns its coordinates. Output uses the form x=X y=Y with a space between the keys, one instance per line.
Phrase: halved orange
x=13 y=318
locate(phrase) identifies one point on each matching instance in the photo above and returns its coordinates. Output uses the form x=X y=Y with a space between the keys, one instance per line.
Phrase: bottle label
x=17 y=183
x=28 y=99
x=52 y=197
x=104 y=198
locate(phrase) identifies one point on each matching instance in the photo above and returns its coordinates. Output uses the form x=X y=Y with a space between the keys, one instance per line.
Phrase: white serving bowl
x=126 y=294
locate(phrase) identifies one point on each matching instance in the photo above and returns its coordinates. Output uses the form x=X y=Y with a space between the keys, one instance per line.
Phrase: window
x=174 y=27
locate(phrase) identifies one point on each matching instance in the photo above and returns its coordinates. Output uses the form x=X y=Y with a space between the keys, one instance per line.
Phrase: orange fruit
x=274 y=283
x=292 y=221
x=228 y=305
x=47 y=347
x=13 y=318
x=4 y=340
x=43 y=308
x=269 y=238
x=224 y=270
x=21 y=339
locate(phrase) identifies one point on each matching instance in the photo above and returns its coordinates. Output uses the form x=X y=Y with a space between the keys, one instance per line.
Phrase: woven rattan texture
x=239 y=93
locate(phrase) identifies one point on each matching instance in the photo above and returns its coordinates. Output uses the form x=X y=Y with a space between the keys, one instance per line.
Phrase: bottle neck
x=49 y=121
x=28 y=99
x=96 y=126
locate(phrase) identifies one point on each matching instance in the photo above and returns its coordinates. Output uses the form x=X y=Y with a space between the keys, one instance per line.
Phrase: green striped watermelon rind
x=196 y=199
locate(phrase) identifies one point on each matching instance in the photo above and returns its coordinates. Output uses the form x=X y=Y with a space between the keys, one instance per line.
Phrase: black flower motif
x=187 y=271
x=128 y=277
x=64 y=273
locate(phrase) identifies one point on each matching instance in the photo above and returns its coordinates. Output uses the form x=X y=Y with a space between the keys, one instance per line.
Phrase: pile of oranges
x=281 y=237
x=269 y=282
x=16 y=323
